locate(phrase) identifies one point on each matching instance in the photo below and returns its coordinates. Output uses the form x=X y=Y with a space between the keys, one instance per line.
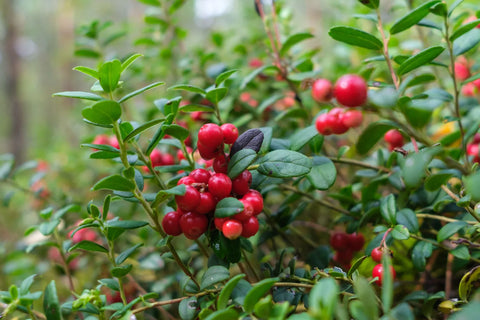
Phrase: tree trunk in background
x=12 y=81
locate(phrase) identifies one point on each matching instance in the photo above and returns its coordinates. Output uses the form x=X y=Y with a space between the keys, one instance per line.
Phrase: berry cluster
x=394 y=139
x=105 y=139
x=350 y=90
x=159 y=158
x=473 y=148
x=338 y=121
x=204 y=189
x=378 y=270
x=346 y=245
x=462 y=72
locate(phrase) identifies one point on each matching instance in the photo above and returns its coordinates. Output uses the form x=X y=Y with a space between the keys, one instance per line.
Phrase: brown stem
x=385 y=41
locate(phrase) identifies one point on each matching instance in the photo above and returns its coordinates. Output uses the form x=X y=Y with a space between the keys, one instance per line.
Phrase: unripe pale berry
x=322 y=90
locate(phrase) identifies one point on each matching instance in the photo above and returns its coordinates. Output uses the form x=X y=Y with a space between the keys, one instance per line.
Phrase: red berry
x=210 y=135
x=256 y=200
x=167 y=159
x=186 y=180
x=230 y=133
x=469 y=89
x=343 y=256
x=394 y=138
x=377 y=254
x=208 y=153
x=461 y=71
x=101 y=139
x=197 y=116
x=255 y=63
x=232 y=229
x=220 y=185
x=84 y=234
x=476 y=138
x=219 y=222
x=472 y=149
x=356 y=241
x=220 y=164
x=339 y=241
x=190 y=200
x=200 y=175
x=193 y=225
x=114 y=142
x=241 y=184
x=156 y=158
x=247 y=211
x=324 y=124
x=352 y=118
x=171 y=223
x=378 y=272
x=351 y=90
x=207 y=203
x=250 y=227
x=322 y=90
x=338 y=126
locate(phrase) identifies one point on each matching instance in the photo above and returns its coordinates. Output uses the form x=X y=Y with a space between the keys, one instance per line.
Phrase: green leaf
x=114 y=182
x=387 y=284
x=355 y=37
x=177 y=131
x=435 y=181
x=88 y=71
x=163 y=195
x=374 y=132
x=88 y=246
x=187 y=308
x=388 y=208
x=110 y=283
x=130 y=60
x=228 y=207
x=400 y=232
x=240 y=161
x=217 y=94
x=415 y=164
x=454 y=6
x=413 y=17
x=224 y=76
x=104 y=112
x=467 y=284
x=323 y=298
x=196 y=107
x=121 y=271
x=226 y=314
x=139 y=91
x=51 y=306
x=323 y=173
x=252 y=75
x=293 y=40
x=189 y=88
x=227 y=290
x=109 y=75
x=26 y=284
x=102 y=147
x=461 y=252
x=421 y=251
x=142 y=128
x=257 y=292
x=472 y=185
x=126 y=224
x=47 y=228
x=420 y=59
x=408 y=218
x=450 y=229
x=285 y=164
x=78 y=95
x=127 y=253
x=214 y=275
x=372 y=4
x=466 y=42
x=87 y=53
x=355 y=266
x=366 y=308
x=464 y=28
x=302 y=137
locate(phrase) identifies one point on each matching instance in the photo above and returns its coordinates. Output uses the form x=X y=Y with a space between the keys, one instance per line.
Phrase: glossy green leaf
x=413 y=17
x=225 y=314
x=228 y=207
x=26 y=284
x=366 y=308
x=387 y=284
x=408 y=218
x=130 y=60
x=372 y=4
x=355 y=37
x=196 y=107
x=126 y=224
x=88 y=71
x=177 y=131
x=355 y=266
x=189 y=88
x=435 y=181
x=461 y=252
x=142 y=128
x=214 y=275
x=127 y=253
x=88 y=246
x=109 y=75
x=51 y=306
x=466 y=42
x=121 y=271
x=139 y=91
x=187 y=308
x=79 y=95
x=323 y=298
x=163 y=195
x=400 y=232
x=372 y=134
x=257 y=292
x=249 y=78
x=323 y=173
x=110 y=283
x=104 y=112
x=472 y=185
x=421 y=251
x=48 y=227
x=217 y=94
x=464 y=28
x=420 y=59
x=415 y=164
x=293 y=40
x=388 y=208
x=467 y=284
x=227 y=290
x=114 y=182
x=224 y=76
x=450 y=229
x=302 y=137
x=285 y=164
x=240 y=161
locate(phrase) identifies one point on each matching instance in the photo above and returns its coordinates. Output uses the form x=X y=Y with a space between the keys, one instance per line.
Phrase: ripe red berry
x=241 y=184
x=84 y=234
x=220 y=164
x=352 y=118
x=377 y=254
x=339 y=241
x=378 y=272
x=220 y=185
x=171 y=223
x=250 y=227
x=193 y=225
x=230 y=133
x=356 y=241
x=462 y=72
x=187 y=180
x=156 y=158
x=247 y=211
x=200 y=175
x=351 y=90
x=190 y=200
x=210 y=135
x=469 y=89
x=167 y=159
x=114 y=142
x=324 y=124
x=232 y=229
x=207 y=203
x=101 y=139
x=343 y=256
x=219 y=222
x=322 y=90
x=394 y=138
x=256 y=200
x=208 y=153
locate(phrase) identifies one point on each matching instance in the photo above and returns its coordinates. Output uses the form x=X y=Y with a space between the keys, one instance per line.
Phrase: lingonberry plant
x=271 y=185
